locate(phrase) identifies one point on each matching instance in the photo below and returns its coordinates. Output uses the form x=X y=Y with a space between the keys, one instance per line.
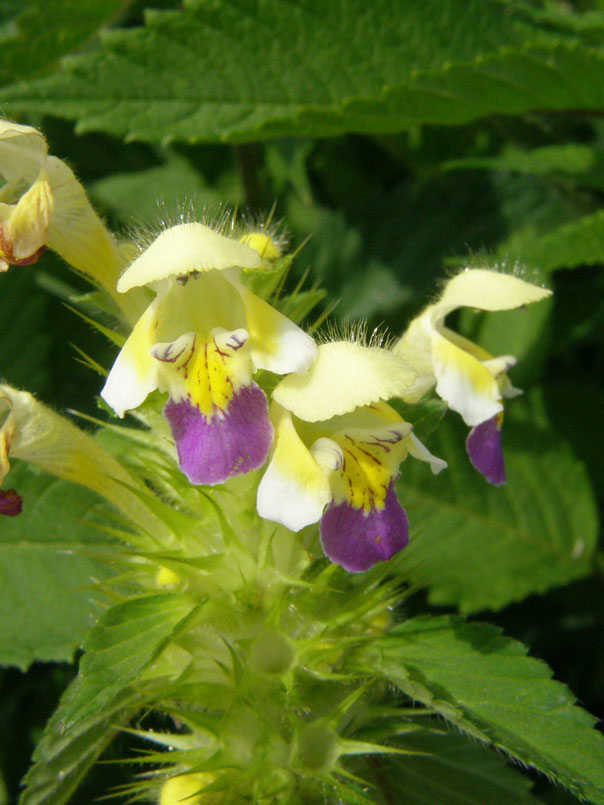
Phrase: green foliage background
x=402 y=139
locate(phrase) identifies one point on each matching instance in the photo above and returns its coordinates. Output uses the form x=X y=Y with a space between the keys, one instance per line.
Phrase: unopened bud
x=272 y=653
x=263 y=244
x=187 y=788
x=317 y=748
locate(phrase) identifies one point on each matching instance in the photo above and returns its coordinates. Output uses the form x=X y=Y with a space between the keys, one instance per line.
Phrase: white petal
x=294 y=490
x=276 y=343
x=464 y=382
x=135 y=372
x=184 y=249
x=344 y=376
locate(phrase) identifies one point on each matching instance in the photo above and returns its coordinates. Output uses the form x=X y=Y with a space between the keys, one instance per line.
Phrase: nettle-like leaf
x=449 y=769
x=48 y=595
x=436 y=61
x=577 y=243
x=62 y=758
x=46 y=31
x=127 y=638
x=486 y=685
x=476 y=546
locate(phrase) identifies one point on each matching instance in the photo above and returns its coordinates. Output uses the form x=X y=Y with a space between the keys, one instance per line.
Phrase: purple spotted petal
x=357 y=540
x=231 y=442
x=11 y=502
x=484 y=449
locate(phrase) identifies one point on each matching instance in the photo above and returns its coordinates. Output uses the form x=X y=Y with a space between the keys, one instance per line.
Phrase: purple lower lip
x=484 y=450
x=356 y=539
x=230 y=442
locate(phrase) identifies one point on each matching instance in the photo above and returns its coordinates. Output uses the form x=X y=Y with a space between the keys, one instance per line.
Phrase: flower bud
x=187 y=788
x=317 y=748
x=266 y=247
x=272 y=653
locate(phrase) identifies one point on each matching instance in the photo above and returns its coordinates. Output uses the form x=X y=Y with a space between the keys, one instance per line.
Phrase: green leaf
x=452 y=770
x=568 y=158
x=524 y=333
x=23 y=316
x=481 y=547
x=577 y=243
x=238 y=70
x=47 y=582
x=486 y=684
x=127 y=638
x=160 y=192
x=46 y=31
x=61 y=759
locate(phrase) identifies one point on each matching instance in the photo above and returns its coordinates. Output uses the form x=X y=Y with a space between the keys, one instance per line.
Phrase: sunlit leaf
x=486 y=684
x=127 y=637
x=47 y=592
x=427 y=66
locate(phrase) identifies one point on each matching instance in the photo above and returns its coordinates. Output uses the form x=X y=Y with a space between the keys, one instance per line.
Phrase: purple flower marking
x=484 y=450
x=11 y=502
x=356 y=539
x=231 y=442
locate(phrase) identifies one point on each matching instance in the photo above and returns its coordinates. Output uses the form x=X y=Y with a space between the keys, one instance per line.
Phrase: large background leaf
x=486 y=684
x=48 y=595
x=48 y=31
x=157 y=83
x=478 y=546
x=449 y=769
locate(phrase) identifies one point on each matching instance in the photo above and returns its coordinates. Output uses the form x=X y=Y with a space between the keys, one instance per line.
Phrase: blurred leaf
x=382 y=248
x=35 y=331
x=47 y=583
x=24 y=343
x=453 y=769
x=163 y=192
x=567 y=158
x=424 y=415
x=579 y=242
x=524 y=333
x=127 y=637
x=39 y=34
x=62 y=758
x=375 y=290
x=428 y=65
x=476 y=546
x=484 y=683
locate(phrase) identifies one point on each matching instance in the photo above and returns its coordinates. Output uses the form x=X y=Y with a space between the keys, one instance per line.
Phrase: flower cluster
x=333 y=442
x=260 y=660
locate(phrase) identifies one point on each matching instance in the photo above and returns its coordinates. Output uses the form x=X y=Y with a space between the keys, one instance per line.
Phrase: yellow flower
x=338 y=446
x=201 y=339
